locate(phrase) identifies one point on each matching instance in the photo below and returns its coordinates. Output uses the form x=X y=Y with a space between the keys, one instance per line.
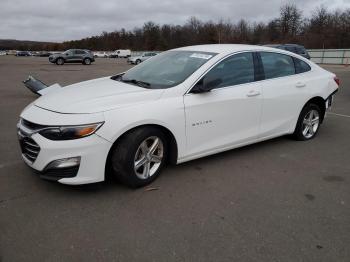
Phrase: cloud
x=52 y=20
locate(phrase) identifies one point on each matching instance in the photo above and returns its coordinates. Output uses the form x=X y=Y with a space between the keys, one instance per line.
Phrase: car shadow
x=112 y=184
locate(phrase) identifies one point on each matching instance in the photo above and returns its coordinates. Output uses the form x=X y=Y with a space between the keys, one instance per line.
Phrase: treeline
x=12 y=44
x=323 y=29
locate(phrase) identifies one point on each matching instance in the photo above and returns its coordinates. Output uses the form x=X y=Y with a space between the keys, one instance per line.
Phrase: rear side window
x=291 y=49
x=300 y=50
x=301 y=66
x=79 y=52
x=235 y=70
x=277 y=65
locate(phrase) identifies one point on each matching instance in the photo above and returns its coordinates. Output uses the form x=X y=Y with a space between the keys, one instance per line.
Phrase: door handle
x=253 y=93
x=300 y=84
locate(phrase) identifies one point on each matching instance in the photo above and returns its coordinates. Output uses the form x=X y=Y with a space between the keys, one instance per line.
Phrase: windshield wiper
x=136 y=82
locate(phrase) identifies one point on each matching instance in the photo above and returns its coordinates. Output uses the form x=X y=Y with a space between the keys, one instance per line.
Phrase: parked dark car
x=23 y=53
x=44 y=54
x=294 y=48
x=85 y=57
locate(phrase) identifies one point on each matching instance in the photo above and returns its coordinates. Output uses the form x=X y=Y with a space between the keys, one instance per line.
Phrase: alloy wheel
x=311 y=123
x=148 y=157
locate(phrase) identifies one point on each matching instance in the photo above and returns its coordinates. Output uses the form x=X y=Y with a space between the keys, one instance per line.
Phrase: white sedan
x=180 y=105
x=101 y=54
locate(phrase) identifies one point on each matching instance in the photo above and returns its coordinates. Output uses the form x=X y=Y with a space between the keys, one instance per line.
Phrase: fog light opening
x=64 y=163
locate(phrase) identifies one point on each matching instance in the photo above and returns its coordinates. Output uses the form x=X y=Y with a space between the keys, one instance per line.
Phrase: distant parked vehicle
x=101 y=54
x=121 y=53
x=11 y=52
x=138 y=59
x=73 y=56
x=3 y=53
x=23 y=53
x=44 y=54
x=294 y=48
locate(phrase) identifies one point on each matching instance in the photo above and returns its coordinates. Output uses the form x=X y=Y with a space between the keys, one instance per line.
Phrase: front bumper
x=92 y=150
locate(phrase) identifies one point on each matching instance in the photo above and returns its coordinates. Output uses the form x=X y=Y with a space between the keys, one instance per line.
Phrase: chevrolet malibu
x=181 y=105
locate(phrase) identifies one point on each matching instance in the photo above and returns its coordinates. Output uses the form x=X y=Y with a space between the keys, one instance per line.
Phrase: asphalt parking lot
x=279 y=200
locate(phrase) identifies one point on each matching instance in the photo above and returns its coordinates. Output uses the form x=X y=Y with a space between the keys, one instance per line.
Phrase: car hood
x=55 y=55
x=95 y=96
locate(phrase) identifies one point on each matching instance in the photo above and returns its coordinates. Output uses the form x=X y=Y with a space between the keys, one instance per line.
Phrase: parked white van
x=121 y=53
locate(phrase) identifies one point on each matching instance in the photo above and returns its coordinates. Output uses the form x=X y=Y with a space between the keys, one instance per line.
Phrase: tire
x=138 y=61
x=87 y=61
x=309 y=122
x=136 y=148
x=59 y=61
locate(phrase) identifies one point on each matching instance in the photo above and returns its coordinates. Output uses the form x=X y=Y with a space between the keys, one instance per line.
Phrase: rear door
x=145 y=56
x=78 y=55
x=284 y=94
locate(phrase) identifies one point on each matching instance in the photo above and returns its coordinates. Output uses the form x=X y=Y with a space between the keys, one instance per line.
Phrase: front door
x=228 y=115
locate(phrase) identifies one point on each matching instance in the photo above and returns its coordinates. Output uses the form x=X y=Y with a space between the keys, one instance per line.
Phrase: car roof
x=225 y=48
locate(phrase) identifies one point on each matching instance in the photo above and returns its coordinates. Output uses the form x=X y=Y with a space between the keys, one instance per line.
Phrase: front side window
x=277 y=65
x=68 y=52
x=166 y=70
x=235 y=70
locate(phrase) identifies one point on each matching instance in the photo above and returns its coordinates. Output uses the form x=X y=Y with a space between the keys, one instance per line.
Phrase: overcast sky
x=59 y=20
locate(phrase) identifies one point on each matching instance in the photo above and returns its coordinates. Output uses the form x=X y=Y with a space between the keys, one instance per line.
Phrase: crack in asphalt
x=335 y=114
x=2 y=201
x=3 y=165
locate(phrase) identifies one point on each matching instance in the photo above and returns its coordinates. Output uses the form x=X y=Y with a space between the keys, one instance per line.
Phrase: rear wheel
x=60 y=61
x=87 y=61
x=139 y=156
x=308 y=123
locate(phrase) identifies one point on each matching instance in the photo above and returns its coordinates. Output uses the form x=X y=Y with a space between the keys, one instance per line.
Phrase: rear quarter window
x=301 y=66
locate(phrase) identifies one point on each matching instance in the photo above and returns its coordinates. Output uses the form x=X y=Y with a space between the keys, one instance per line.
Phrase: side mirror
x=203 y=86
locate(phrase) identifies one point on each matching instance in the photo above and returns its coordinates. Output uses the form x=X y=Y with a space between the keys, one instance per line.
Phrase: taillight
x=337 y=80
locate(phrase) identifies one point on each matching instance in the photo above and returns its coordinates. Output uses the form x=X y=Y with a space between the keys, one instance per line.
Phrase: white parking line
x=330 y=113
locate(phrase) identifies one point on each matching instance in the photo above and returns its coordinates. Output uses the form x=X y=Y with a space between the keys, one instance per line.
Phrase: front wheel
x=139 y=156
x=308 y=123
x=138 y=61
x=59 y=61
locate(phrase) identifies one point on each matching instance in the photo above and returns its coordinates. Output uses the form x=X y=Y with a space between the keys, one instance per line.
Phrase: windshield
x=165 y=70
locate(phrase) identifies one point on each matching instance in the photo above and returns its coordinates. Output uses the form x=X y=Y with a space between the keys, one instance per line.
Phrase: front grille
x=30 y=149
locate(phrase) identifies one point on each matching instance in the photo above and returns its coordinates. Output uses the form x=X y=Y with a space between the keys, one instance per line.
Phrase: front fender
x=166 y=113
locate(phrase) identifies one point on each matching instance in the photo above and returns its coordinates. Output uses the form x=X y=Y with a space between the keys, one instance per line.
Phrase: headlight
x=70 y=132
